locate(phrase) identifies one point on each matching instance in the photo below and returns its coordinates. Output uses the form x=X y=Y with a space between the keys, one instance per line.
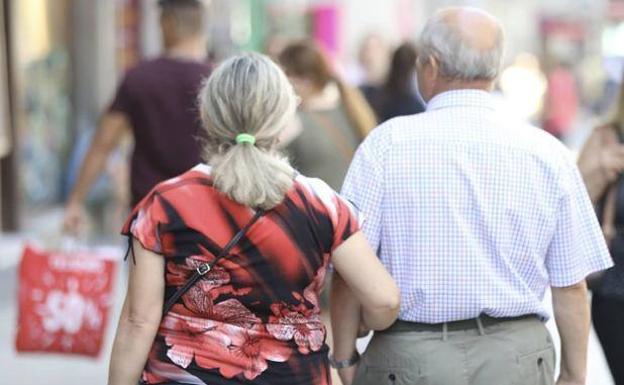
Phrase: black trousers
x=608 y=320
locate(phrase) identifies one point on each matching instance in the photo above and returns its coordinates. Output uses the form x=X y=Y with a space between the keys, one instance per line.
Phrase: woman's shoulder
x=316 y=186
x=604 y=133
x=337 y=114
x=200 y=174
x=197 y=176
x=176 y=193
x=342 y=214
x=318 y=192
x=607 y=128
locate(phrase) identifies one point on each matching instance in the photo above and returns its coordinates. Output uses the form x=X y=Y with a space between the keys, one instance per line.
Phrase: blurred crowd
x=342 y=100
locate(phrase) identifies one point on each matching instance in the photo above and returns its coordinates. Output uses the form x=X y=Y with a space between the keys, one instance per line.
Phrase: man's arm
x=110 y=131
x=345 y=322
x=571 y=310
x=577 y=248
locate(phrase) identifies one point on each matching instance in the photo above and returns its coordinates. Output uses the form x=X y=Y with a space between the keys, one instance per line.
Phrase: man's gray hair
x=457 y=57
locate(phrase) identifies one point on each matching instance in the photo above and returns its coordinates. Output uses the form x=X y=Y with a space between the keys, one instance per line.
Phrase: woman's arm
x=368 y=280
x=345 y=316
x=600 y=164
x=140 y=317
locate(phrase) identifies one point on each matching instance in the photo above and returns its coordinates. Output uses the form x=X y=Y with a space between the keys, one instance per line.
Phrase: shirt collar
x=461 y=98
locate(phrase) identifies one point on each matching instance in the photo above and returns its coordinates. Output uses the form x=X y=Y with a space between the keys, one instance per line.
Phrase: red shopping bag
x=64 y=299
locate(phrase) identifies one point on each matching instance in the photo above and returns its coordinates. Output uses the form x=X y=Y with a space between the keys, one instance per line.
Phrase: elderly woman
x=230 y=257
x=601 y=163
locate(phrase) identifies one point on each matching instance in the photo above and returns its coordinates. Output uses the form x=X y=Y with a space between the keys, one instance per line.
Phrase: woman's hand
x=612 y=161
x=347 y=374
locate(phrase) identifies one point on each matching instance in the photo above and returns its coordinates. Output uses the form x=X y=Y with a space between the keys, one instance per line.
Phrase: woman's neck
x=327 y=98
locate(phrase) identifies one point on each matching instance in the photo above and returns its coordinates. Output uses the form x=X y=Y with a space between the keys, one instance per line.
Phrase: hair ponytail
x=252 y=176
x=248 y=94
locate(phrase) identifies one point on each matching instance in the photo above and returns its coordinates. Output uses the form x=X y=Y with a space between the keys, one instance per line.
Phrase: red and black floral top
x=254 y=318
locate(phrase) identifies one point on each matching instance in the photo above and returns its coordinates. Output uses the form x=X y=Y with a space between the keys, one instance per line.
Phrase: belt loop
x=480 y=326
x=445 y=331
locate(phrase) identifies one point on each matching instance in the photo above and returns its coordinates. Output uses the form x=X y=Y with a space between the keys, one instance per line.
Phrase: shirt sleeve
x=577 y=247
x=123 y=97
x=145 y=221
x=338 y=219
x=346 y=222
x=363 y=188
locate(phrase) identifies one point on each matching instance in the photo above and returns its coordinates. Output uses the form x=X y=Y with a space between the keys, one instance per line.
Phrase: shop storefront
x=38 y=56
x=64 y=59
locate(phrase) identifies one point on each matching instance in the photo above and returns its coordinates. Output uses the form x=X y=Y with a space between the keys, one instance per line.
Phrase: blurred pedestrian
x=602 y=162
x=475 y=215
x=333 y=118
x=373 y=59
x=398 y=96
x=156 y=103
x=251 y=316
x=561 y=102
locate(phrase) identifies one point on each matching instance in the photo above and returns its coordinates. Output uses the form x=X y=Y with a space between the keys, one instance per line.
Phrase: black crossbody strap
x=206 y=267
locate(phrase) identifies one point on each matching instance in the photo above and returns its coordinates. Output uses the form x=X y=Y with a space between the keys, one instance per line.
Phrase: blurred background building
x=61 y=60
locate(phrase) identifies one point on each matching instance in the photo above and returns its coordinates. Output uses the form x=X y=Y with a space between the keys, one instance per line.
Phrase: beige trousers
x=517 y=352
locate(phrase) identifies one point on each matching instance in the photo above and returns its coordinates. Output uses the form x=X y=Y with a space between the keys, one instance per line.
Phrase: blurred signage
x=615 y=10
x=325 y=27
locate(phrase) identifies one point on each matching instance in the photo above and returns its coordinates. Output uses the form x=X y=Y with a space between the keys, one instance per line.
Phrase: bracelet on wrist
x=342 y=364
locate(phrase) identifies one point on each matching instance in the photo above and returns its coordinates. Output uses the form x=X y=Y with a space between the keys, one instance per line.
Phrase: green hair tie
x=245 y=138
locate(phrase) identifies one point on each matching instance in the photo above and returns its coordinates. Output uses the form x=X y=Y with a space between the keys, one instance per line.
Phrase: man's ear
x=434 y=66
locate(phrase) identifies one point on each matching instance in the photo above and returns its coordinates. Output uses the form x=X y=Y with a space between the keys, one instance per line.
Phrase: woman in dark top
x=602 y=163
x=398 y=95
x=253 y=315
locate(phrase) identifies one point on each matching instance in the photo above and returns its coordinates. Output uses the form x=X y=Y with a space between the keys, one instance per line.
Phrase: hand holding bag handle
x=206 y=267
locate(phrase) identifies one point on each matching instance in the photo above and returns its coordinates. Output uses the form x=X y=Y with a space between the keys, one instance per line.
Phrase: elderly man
x=475 y=215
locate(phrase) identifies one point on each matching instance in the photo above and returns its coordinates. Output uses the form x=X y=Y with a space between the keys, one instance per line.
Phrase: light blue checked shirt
x=473 y=213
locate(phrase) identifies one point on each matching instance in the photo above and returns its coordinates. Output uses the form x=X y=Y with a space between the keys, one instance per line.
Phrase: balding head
x=466 y=43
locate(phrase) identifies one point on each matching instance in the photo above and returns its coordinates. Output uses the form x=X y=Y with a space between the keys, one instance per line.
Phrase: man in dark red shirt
x=156 y=101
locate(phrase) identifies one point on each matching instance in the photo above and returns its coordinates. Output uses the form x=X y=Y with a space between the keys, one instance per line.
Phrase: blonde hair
x=248 y=94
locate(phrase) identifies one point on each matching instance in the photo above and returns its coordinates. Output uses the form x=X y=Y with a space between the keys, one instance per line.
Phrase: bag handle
x=206 y=267
x=334 y=132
